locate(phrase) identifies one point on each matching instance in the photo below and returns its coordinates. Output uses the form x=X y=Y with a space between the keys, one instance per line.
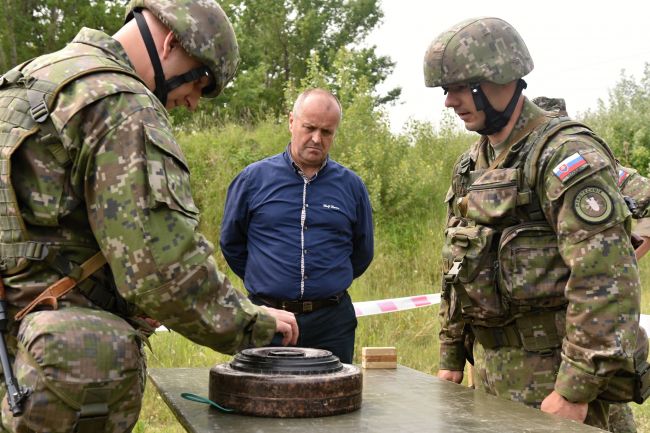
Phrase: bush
x=624 y=121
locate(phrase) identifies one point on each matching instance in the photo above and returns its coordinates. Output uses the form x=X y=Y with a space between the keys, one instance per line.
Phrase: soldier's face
x=313 y=129
x=178 y=62
x=187 y=95
x=459 y=97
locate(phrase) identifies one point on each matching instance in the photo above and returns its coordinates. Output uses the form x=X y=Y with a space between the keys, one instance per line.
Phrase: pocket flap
x=168 y=173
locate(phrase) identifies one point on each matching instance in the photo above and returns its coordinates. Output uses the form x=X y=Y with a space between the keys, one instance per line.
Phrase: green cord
x=199 y=399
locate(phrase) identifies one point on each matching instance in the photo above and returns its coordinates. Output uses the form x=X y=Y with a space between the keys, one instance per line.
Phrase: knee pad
x=84 y=370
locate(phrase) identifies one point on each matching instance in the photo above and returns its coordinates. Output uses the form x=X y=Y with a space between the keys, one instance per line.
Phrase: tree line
x=286 y=45
x=277 y=39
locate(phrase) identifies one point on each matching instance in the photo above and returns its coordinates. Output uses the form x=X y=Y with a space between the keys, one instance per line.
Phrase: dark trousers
x=331 y=328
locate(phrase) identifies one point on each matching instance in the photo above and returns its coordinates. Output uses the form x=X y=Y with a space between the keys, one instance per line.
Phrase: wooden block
x=378 y=357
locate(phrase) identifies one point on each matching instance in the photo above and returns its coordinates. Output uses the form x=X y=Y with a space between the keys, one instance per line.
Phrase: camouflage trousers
x=525 y=377
x=85 y=371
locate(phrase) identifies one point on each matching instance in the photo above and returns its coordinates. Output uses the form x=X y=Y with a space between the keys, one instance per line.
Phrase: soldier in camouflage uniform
x=90 y=165
x=636 y=187
x=538 y=264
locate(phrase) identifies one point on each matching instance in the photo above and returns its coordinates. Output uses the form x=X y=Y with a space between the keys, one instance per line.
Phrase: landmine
x=285 y=382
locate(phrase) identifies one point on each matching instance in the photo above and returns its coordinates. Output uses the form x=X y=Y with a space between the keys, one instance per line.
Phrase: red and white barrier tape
x=382 y=306
x=369 y=308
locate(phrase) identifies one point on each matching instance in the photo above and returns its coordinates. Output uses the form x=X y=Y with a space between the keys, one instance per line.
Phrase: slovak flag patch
x=570 y=166
x=622 y=175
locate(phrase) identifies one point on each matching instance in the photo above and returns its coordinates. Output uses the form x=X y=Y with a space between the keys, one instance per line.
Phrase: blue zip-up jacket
x=266 y=242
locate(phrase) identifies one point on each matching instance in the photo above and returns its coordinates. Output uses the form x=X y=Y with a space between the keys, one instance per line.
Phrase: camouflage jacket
x=561 y=246
x=118 y=182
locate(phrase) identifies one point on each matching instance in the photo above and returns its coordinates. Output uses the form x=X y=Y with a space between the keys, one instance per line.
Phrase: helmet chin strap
x=495 y=120
x=159 y=76
x=163 y=87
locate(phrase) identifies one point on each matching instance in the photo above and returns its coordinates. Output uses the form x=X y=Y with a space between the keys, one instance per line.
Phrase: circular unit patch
x=593 y=205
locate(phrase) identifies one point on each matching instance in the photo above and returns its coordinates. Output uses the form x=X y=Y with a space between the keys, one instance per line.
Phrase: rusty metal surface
x=401 y=400
x=286 y=395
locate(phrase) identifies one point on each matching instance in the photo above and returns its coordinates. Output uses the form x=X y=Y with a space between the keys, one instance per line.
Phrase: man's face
x=187 y=95
x=313 y=129
x=459 y=97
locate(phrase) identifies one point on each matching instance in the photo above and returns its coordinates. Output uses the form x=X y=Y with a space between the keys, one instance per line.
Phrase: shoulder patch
x=622 y=176
x=570 y=166
x=593 y=205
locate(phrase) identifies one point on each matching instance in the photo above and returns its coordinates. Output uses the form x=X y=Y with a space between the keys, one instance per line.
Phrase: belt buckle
x=307 y=306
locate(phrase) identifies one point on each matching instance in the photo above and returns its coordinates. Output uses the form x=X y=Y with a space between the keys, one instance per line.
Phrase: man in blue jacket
x=297 y=228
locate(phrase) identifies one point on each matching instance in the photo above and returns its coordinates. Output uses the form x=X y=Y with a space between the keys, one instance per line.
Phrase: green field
x=407 y=177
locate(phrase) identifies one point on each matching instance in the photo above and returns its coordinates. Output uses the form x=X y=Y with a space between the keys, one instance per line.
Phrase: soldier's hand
x=285 y=323
x=451 y=375
x=556 y=404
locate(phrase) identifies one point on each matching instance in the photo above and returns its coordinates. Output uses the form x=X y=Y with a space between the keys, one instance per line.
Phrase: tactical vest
x=26 y=102
x=501 y=260
x=500 y=255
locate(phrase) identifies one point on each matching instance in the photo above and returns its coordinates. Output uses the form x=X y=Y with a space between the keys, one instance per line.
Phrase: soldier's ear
x=169 y=43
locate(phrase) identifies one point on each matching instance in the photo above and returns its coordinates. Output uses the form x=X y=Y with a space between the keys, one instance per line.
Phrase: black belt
x=298 y=307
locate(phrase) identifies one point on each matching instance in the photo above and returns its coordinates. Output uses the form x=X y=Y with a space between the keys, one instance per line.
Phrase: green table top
x=401 y=400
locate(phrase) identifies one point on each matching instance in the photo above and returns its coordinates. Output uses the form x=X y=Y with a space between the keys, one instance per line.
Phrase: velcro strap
x=58 y=151
x=28 y=250
x=495 y=337
x=534 y=332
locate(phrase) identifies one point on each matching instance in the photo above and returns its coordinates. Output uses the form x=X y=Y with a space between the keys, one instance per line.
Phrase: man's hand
x=556 y=404
x=285 y=323
x=451 y=375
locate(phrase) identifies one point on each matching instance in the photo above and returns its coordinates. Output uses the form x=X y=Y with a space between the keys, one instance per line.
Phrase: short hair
x=301 y=98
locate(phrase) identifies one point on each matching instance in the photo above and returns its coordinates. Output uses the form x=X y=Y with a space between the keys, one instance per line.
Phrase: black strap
x=188 y=77
x=101 y=293
x=495 y=120
x=298 y=307
x=161 y=88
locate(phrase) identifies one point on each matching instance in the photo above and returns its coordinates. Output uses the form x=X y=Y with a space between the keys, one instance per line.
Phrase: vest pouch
x=469 y=262
x=493 y=196
x=532 y=273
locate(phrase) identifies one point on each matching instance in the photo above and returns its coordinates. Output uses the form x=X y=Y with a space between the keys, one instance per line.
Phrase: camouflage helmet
x=203 y=30
x=475 y=50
